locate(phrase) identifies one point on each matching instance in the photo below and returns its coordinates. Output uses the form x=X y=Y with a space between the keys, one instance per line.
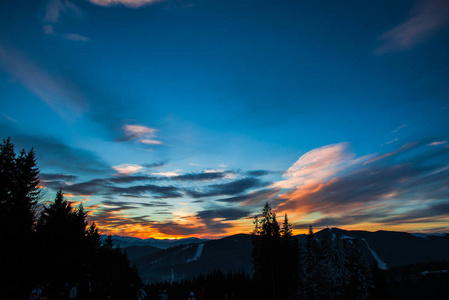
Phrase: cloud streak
x=62 y=96
x=127 y=3
x=425 y=18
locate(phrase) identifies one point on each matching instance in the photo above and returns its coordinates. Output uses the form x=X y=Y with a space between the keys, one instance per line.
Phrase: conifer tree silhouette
x=19 y=194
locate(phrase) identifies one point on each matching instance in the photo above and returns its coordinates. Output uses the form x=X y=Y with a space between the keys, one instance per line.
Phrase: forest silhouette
x=51 y=247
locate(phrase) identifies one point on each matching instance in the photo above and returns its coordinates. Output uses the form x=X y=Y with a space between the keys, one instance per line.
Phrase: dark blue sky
x=172 y=118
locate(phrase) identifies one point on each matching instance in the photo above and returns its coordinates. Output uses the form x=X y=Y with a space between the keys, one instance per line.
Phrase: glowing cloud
x=127 y=168
x=437 y=143
x=316 y=166
x=139 y=133
x=167 y=174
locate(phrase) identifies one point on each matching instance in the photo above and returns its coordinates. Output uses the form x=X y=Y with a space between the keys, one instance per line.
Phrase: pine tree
x=19 y=193
x=266 y=254
x=289 y=262
x=61 y=235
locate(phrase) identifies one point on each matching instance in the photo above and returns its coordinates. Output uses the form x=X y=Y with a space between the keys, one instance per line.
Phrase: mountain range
x=175 y=260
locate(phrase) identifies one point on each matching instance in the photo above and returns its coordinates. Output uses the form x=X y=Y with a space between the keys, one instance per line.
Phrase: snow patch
x=381 y=264
x=433 y=272
x=347 y=237
x=199 y=251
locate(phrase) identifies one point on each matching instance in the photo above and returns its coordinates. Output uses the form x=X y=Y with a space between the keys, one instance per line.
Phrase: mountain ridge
x=233 y=253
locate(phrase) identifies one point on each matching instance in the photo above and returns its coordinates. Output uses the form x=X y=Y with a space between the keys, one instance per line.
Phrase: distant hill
x=183 y=262
x=125 y=241
x=233 y=253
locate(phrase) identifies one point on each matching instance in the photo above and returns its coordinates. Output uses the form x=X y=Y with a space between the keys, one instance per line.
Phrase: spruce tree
x=19 y=193
x=266 y=254
x=289 y=262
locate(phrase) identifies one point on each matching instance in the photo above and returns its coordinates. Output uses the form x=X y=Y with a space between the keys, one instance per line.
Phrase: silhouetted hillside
x=233 y=253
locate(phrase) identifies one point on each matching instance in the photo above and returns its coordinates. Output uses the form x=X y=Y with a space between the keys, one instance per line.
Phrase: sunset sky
x=176 y=118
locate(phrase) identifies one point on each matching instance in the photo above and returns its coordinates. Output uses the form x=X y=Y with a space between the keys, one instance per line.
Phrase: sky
x=179 y=118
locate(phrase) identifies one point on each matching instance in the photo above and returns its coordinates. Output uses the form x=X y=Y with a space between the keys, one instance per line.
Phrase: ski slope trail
x=199 y=251
x=381 y=264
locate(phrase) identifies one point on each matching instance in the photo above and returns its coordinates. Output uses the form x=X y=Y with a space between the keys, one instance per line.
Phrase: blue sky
x=178 y=118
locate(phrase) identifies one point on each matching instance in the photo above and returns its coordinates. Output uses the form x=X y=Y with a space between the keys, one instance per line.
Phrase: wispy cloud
x=390 y=142
x=128 y=3
x=399 y=128
x=60 y=95
x=48 y=29
x=437 y=143
x=140 y=134
x=317 y=166
x=54 y=10
x=406 y=189
x=425 y=18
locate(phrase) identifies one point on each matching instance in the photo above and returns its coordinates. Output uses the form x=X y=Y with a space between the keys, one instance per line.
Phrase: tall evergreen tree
x=266 y=258
x=275 y=257
x=19 y=179
x=289 y=262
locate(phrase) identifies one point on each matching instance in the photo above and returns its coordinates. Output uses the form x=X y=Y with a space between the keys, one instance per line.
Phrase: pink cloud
x=316 y=166
x=128 y=3
x=426 y=17
x=388 y=154
x=437 y=143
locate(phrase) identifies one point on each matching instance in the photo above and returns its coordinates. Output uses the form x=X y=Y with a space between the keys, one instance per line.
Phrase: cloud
x=426 y=17
x=128 y=168
x=259 y=173
x=53 y=153
x=437 y=143
x=106 y=188
x=231 y=188
x=399 y=128
x=390 y=142
x=205 y=176
x=54 y=10
x=127 y=3
x=317 y=166
x=223 y=213
x=139 y=133
x=252 y=198
x=121 y=179
x=403 y=189
x=154 y=165
x=219 y=220
x=167 y=174
x=403 y=148
x=59 y=94
x=75 y=37
x=52 y=177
